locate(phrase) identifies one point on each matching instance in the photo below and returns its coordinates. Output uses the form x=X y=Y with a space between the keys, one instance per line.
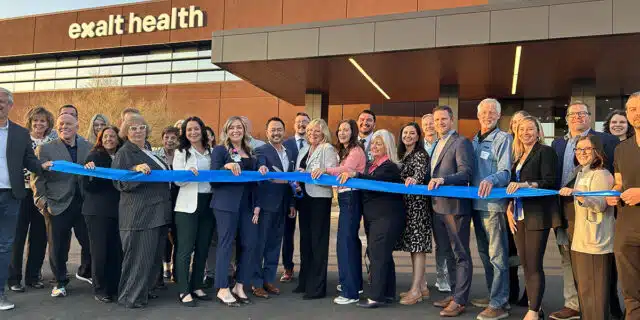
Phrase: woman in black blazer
x=100 y=210
x=530 y=219
x=384 y=218
x=144 y=212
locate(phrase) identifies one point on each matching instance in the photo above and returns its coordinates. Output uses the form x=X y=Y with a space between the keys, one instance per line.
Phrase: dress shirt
x=429 y=147
x=367 y=141
x=4 y=167
x=282 y=154
x=438 y=149
x=203 y=162
x=300 y=139
x=567 y=163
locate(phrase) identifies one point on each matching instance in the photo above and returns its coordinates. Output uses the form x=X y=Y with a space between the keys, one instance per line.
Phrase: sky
x=15 y=8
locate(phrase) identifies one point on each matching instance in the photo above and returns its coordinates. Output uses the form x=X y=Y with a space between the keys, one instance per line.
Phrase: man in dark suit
x=293 y=144
x=58 y=196
x=275 y=202
x=579 y=123
x=452 y=164
x=15 y=155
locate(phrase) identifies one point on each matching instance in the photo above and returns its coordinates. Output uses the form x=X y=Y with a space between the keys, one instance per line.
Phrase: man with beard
x=627 y=233
x=366 y=126
x=275 y=200
x=294 y=144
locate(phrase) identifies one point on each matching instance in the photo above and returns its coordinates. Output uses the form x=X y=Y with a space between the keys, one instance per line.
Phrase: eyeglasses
x=138 y=128
x=579 y=114
x=588 y=150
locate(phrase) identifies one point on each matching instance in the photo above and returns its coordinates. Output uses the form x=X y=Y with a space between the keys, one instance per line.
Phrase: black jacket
x=379 y=204
x=101 y=198
x=20 y=155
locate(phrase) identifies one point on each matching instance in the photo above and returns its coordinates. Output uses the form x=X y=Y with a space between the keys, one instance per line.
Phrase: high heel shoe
x=232 y=304
x=191 y=303
x=240 y=299
x=204 y=297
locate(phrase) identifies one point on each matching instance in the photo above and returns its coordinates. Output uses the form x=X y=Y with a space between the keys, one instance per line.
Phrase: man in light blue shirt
x=492 y=148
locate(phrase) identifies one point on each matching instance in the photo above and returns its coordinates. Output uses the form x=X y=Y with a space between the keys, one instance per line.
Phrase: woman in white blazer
x=194 y=220
x=315 y=212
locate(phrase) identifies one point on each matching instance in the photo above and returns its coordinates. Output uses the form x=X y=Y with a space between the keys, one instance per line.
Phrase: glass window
x=85 y=83
x=45 y=64
x=8 y=86
x=111 y=59
x=26 y=65
x=23 y=86
x=45 y=74
x=210 y=76
x=44 y=85
x=228 y=76
x=133 y=81
x=25 y=75
x=67 y=62
x=7 y=77
x=134 y=68
x=184 y=65
x=604 y=105
x=66 y=73
x=65 y=84
x=184 y=77
x=205 y=64
x=111 y=70
x=160 y=55
x=7 y=67
x=88 y=72
x=89 y=61
x=204 y=52
x=135 y=57
x=185 y=53
x=159 y=67
x=158 y=78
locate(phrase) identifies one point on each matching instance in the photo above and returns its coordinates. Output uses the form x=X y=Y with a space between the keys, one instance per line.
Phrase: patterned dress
x=416 y=236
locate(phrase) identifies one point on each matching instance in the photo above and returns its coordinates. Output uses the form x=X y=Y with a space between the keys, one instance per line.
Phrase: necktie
x=300 y=144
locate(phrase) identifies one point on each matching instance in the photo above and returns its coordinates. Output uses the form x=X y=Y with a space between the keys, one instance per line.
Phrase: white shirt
x=436 y=152
x=304 y=141
x=203 y=161
x=282 y=154
x=4 y=167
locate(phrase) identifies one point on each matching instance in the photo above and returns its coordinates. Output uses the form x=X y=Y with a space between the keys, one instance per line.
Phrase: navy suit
x=452 y=218
x=274 y=201
x=233 y=205
x=289 y=223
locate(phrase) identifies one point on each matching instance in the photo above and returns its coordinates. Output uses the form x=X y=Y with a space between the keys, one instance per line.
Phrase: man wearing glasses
x=579 y=123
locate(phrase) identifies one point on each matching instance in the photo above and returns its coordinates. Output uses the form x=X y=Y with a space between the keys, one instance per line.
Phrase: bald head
x=67 y=126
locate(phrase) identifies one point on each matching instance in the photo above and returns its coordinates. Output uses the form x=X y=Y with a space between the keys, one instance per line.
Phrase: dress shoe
x=191 y=303
x=271 y=288
x=369 y=304
x=36 y=285
x=411 y=298
x=443 y=303
x=241 y=300
x=152 y=296
x=103 y=299
x=452 y=310
x=17 y=288
x=260 y=293
x=425 y=293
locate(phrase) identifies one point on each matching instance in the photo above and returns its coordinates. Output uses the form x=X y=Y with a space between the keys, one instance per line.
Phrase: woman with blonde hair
x=97 y=123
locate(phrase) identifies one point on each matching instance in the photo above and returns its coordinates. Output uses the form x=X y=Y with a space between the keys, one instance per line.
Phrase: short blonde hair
x=323 y=127
x=134 y=118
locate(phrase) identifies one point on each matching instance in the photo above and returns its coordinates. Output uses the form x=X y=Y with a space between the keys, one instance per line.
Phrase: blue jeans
x=9 y=209
x=493 y=248
x=348 y=246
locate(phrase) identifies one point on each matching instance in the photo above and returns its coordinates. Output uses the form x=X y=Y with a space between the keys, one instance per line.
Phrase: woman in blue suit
x=234 y=206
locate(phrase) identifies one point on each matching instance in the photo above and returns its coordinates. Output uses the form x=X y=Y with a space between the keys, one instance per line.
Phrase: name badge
x=236 y=157
x=484 y=155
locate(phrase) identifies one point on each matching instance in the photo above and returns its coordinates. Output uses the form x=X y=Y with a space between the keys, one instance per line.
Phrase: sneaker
x=342 y=300
x=565 y=314
x=492 y=314
x=339 y=288
x=5 y=304
x=81 y=278
x=443 y=286
x=59 y=292
x=17 y=288
x=287 y=275
x=480 y=303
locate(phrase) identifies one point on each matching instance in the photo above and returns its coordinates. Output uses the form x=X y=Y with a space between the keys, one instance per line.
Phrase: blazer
x=143 y=205
x=325 y=156
x=187 y=200
x=292 y=145
x=20 y=155
x=383 y=204
x=540 y=166
x=53 y=191
x=609 y=144
x=228 y=196
x=274 y=197
x=455 y=164
x=101 y=198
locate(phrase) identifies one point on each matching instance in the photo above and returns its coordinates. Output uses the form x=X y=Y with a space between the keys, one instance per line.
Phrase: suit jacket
x=187 y=200
x=383 y=204
x=101 y=198
x=455 y=164
x=54 y=191
x=325 y=156
x=292 y=145
x=19 y=156
x=540 y=167
x=609 y=143
x=143 y=205
x=274 y=197
x=229 y=196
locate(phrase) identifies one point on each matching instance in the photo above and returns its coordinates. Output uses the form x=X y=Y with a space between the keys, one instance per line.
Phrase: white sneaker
x=342 y=300
x=59 y=292
x=5 y=304
x=87 y=280
x=339 y=288
x=443 y=286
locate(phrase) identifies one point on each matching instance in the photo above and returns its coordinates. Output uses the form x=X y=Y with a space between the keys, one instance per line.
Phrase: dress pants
x=315 y=222
x=229 y=224
x=30 y=226
x=9 y=211
x=452 y=234
x=288 y=241
x=59 y=239
x=142 y=252
x=268 y=245
x=384 y=233
x=627 y=252
x=531 y=247
x=348 y=244
x=593 y=280
x=106 y=254
x=195 y=231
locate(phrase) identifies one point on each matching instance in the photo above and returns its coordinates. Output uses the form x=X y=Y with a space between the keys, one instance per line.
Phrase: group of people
x=134 y=235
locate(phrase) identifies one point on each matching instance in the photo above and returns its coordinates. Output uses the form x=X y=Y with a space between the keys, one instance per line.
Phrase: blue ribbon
x=325 y=180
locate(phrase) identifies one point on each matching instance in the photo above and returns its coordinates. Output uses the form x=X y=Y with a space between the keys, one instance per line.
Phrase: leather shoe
x=443 y=303
x=36 y=285
x=17 y=288
x=152 y=296
x=271 y=288
x=241 y=300
x=260 y=293
x=103 y=299
x=369 y=304
x=452 y=310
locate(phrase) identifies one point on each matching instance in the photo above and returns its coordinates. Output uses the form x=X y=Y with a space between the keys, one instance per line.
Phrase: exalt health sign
x=179 y=18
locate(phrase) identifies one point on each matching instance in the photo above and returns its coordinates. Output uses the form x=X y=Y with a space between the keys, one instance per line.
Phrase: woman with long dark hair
x=194 y=220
